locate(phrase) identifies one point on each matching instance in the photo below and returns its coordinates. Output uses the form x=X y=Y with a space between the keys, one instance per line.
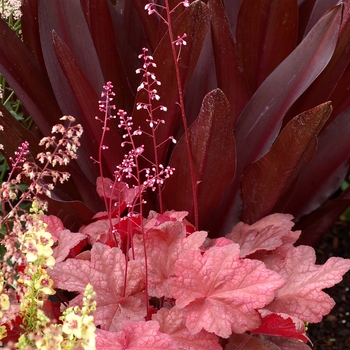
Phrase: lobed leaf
x=116 y=296
x=135 y=336
x=302 y=296
x=164 y=244
x=267 y=234
x=172 y=322
x=215 y=290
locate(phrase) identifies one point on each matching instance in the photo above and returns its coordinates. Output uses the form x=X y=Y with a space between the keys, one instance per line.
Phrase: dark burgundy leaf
x=229 y=69
x=22 y=72
x=266 y=35
x=100 y=23
x=320 y=7
x=213 y=149
x=330 y=77
x=260 y=121
x=30 y=30
x=264 y=181
x=315 y=224
x=86 y=98
x=323 y=175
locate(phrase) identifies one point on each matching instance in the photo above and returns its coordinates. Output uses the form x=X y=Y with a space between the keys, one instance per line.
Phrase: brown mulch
x=333 y=333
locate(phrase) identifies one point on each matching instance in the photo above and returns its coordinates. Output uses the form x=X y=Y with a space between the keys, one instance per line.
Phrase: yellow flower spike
x=3 y=332
x=72 y=324
x=4 y=302
x=44 y=284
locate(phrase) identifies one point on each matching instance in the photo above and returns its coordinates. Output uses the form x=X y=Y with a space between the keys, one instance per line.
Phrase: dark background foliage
x=257 y=77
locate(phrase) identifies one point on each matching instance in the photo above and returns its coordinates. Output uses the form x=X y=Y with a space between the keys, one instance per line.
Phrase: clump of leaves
x=246 y=88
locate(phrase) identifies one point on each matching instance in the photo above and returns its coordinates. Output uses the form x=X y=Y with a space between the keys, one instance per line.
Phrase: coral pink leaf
x=116 y=303
x=118 y=192
x=54 y=225
x=277 y=325
x=302 y=296
x=135 y=336
x=270 y=232
x=164 y=243
x=66 y=241
x=220 y=292
x=173 y=322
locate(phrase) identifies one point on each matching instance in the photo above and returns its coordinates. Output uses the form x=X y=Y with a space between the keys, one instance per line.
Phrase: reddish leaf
x=266 y=34
x=312 y=191
x=266 y=234
x=213 y=148
x=328 y=80
x=98 y=15
x=86 y=97
x=320 y=7
x=282 y=326
x=265 y=181
x=248 y=342
x=172 y=322
x=260 y=121
x=315 y=224
x=135 y=336
x=302 y=296
x=220 y=292
x=30 y=30
x=229 y=70
x=20 y=69
x=116 y=302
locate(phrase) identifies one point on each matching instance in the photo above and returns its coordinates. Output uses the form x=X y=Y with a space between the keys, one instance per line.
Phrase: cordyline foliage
x=257 y=77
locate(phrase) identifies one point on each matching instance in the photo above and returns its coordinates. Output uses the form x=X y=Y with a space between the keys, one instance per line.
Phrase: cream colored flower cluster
x=76 y=331
x=11 y=8
x=4 y=305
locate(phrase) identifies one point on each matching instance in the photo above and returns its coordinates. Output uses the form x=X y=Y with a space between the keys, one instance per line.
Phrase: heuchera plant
x=157 y=279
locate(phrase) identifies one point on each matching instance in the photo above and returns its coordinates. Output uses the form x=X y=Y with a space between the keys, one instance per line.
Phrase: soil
x=333 y=333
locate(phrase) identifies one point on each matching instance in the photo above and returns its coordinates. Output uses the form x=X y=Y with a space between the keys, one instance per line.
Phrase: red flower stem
x=140 y=190
x=112 y=238
x=156 y=161
x=183 y=115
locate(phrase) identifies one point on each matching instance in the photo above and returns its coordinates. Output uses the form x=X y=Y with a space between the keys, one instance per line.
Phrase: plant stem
x=183 y=114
